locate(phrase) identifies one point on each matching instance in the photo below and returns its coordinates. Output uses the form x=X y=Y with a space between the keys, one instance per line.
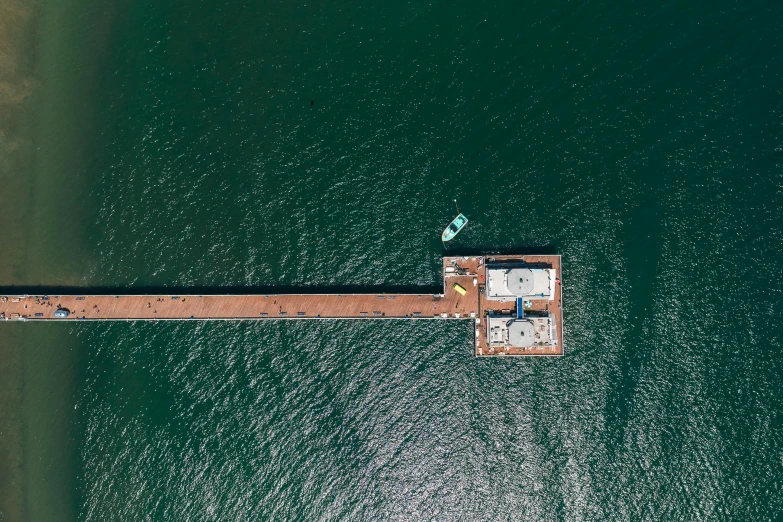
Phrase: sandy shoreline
x=18 y=29
x=11 y=427
x=51 y=55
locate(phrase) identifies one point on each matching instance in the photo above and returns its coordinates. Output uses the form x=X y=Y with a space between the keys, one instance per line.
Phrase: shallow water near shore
x=48 y=132
x=198 y=144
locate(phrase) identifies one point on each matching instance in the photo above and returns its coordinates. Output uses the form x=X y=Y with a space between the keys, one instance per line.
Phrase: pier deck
x=449 y=304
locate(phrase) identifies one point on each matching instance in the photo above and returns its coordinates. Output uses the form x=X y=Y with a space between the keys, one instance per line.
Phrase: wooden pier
x=466 y=272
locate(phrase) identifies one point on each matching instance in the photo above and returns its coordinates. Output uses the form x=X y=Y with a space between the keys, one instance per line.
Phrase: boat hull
x=454 y=228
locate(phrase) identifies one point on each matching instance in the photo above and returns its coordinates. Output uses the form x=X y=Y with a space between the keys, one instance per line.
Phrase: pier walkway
x=468 y=303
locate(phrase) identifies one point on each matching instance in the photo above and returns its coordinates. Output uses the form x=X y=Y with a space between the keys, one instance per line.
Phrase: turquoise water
x=203 y=145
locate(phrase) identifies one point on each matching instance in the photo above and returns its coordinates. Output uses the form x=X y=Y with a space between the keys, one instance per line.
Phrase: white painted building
x=521 y=332
x=509 y=284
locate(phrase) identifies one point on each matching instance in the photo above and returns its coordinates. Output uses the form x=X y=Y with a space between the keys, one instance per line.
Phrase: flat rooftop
x=520 y=332
x=509 y=282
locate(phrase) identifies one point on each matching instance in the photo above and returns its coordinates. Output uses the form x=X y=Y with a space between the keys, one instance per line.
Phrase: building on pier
x=520 y=332
x=509 y=283
x=523 y=284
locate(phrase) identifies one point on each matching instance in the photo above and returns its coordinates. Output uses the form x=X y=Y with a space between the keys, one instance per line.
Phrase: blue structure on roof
x=520 y=308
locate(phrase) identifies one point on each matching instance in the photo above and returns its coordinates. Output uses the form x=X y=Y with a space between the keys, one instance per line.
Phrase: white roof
x=528 y=283
x=520 y=333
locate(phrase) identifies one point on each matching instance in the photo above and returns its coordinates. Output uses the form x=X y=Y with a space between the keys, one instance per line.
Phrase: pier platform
x=464 y=297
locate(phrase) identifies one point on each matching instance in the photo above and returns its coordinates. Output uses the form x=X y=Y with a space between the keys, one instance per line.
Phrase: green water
x=206 y=145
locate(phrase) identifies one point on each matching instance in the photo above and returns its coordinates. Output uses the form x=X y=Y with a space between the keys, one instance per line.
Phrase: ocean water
x=204 y=145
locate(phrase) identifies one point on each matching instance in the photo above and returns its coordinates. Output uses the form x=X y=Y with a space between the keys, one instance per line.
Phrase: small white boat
x=454 y=228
